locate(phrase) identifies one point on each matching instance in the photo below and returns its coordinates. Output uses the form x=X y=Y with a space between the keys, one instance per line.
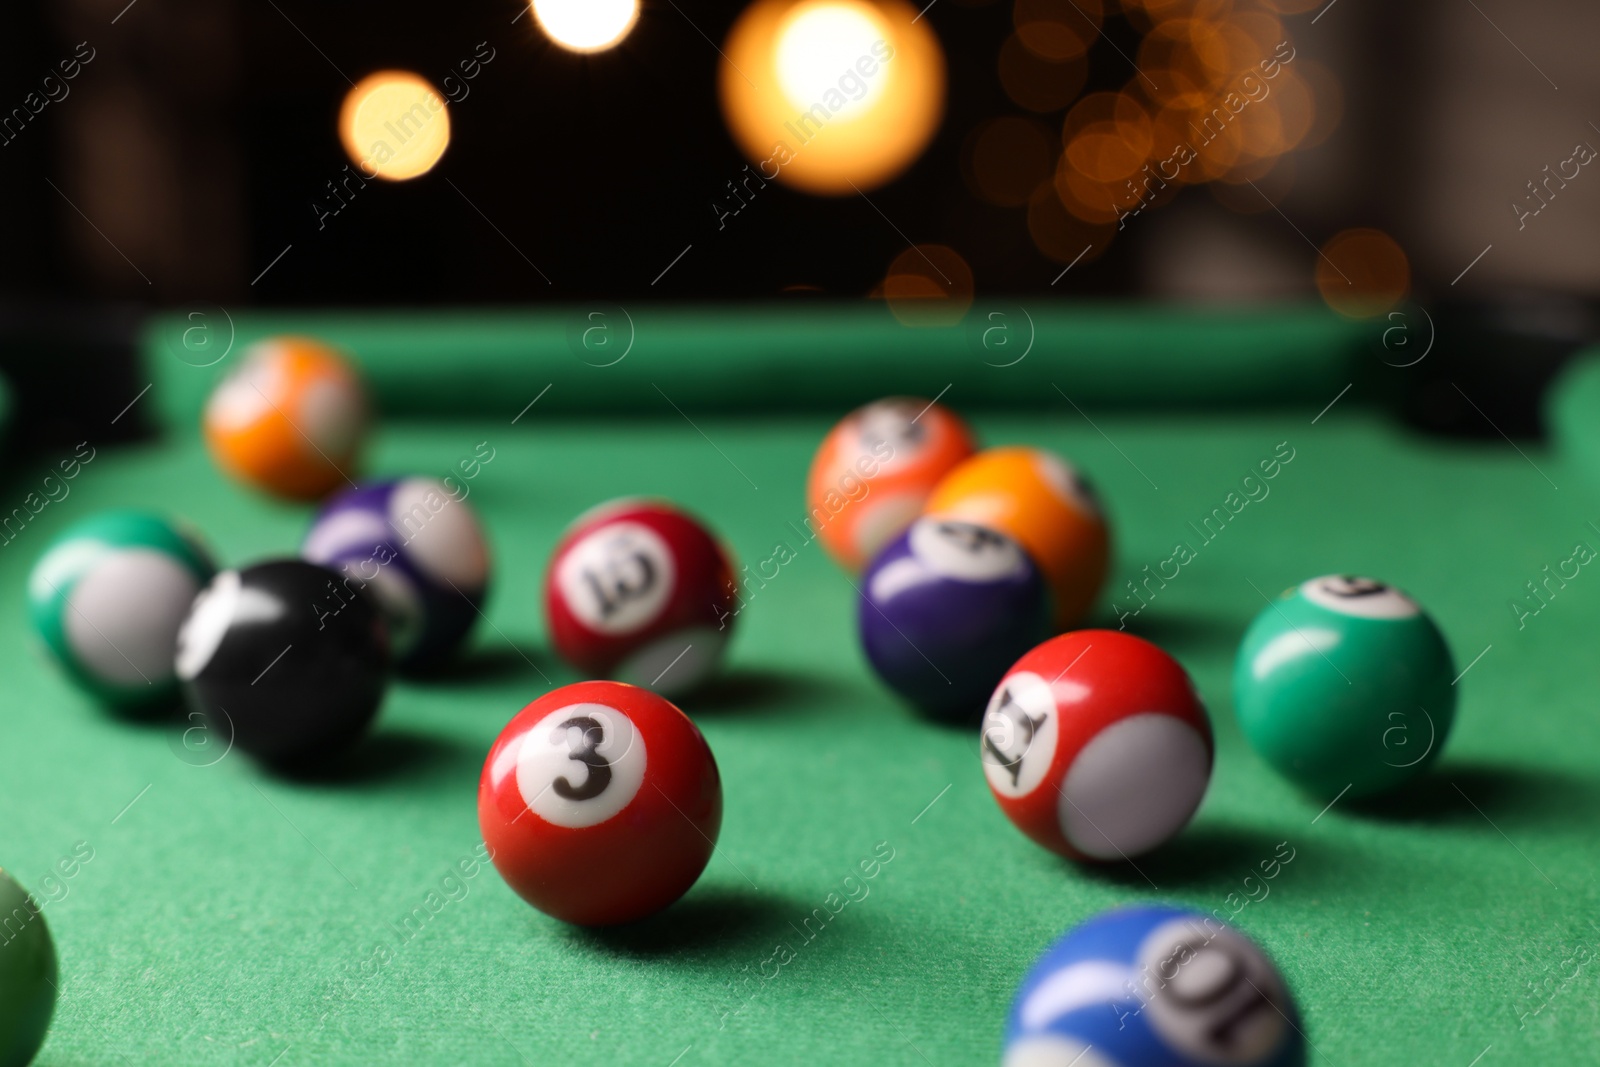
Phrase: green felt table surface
x=227 y=916
x=822 y=355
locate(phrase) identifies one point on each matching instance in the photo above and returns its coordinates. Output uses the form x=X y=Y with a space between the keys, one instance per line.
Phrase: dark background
x=198 y=140
x=184 y=168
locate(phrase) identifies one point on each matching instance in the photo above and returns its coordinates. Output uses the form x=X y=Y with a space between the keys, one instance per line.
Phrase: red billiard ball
x=641 y=592
x=1097 y=746
x=600 y=803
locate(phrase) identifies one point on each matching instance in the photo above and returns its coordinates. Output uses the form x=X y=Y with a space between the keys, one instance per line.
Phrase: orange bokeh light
x=1036 y=83
x=1062 y=236
x=929 y=285
x=1217 y=98
x=1057 y=30
x=1007 y=158
x=1363 y=273
x=832 y=96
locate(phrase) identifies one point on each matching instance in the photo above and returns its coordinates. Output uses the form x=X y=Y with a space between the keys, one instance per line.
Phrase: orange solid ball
x=290 y=420
x=1045 y=505
x=874 y=470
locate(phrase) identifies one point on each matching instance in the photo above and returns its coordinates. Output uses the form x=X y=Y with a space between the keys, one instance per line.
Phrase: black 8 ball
x=284 y=659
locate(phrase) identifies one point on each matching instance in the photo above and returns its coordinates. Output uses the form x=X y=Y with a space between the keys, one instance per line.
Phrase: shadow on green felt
x=392 y=754
x=1209 y=859
x=761 y=691
x=159 y=715
x=495 y=662
x=1467 y=792
x=716 y=926
x=1182 y=633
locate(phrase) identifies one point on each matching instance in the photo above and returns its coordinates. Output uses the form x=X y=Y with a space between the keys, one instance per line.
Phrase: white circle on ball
x=1069 y=486
x=580 y=765
x=209 y=618
x=965 y=550
x=675 y=663
x=123 y=615
x=1021 y=729
x=250 y=393
x=1364 y=598
x=441 y=535
x=1212 y=996
x=617 y=579
x=891 y=425
x=1134 y=785
x=332 y=418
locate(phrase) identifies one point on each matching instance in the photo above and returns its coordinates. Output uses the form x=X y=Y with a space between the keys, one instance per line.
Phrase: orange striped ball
x=289 y=420
x=1038 y=499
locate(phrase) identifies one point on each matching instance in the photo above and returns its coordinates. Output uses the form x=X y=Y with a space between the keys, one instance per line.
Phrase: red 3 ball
x=641 y=592
x=1096 y=745
x=600 y=803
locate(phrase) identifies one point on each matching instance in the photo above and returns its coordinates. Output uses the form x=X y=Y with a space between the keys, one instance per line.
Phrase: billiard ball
x=289 y=420
x=107 y=597
x=639 y=591
x=284 y=660
x=1096 y=745
x=28 y=977
x=1345 y=682
x=420 y=550
x=945 y=609
x=600 y=803
x=874 y=470
x=1038 y=498
x=1153 y=986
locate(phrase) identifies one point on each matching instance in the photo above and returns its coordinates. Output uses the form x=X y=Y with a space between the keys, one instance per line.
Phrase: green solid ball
x=107 y=598
x=1345 y=682
x=27 y=975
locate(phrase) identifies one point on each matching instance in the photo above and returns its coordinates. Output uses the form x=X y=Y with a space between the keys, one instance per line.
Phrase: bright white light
x=586 y=25
x=819 y=46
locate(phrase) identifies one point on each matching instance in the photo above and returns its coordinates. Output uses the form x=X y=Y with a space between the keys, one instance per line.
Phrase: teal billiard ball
x=107 y=598
x=27 y=974
x=1345 y=682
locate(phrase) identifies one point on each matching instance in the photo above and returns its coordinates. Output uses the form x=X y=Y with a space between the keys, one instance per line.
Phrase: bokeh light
x=394 y=125
x=819 y=40
x=1057 y=30
x=1090 y=199
x=586 y=25
x=1036 y=83
x=1363 y=273
x=1062 y=236
x=832 y=96
x=1218 y=97
x=929 y=286
x=1158 y=11
x=1006 y=159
